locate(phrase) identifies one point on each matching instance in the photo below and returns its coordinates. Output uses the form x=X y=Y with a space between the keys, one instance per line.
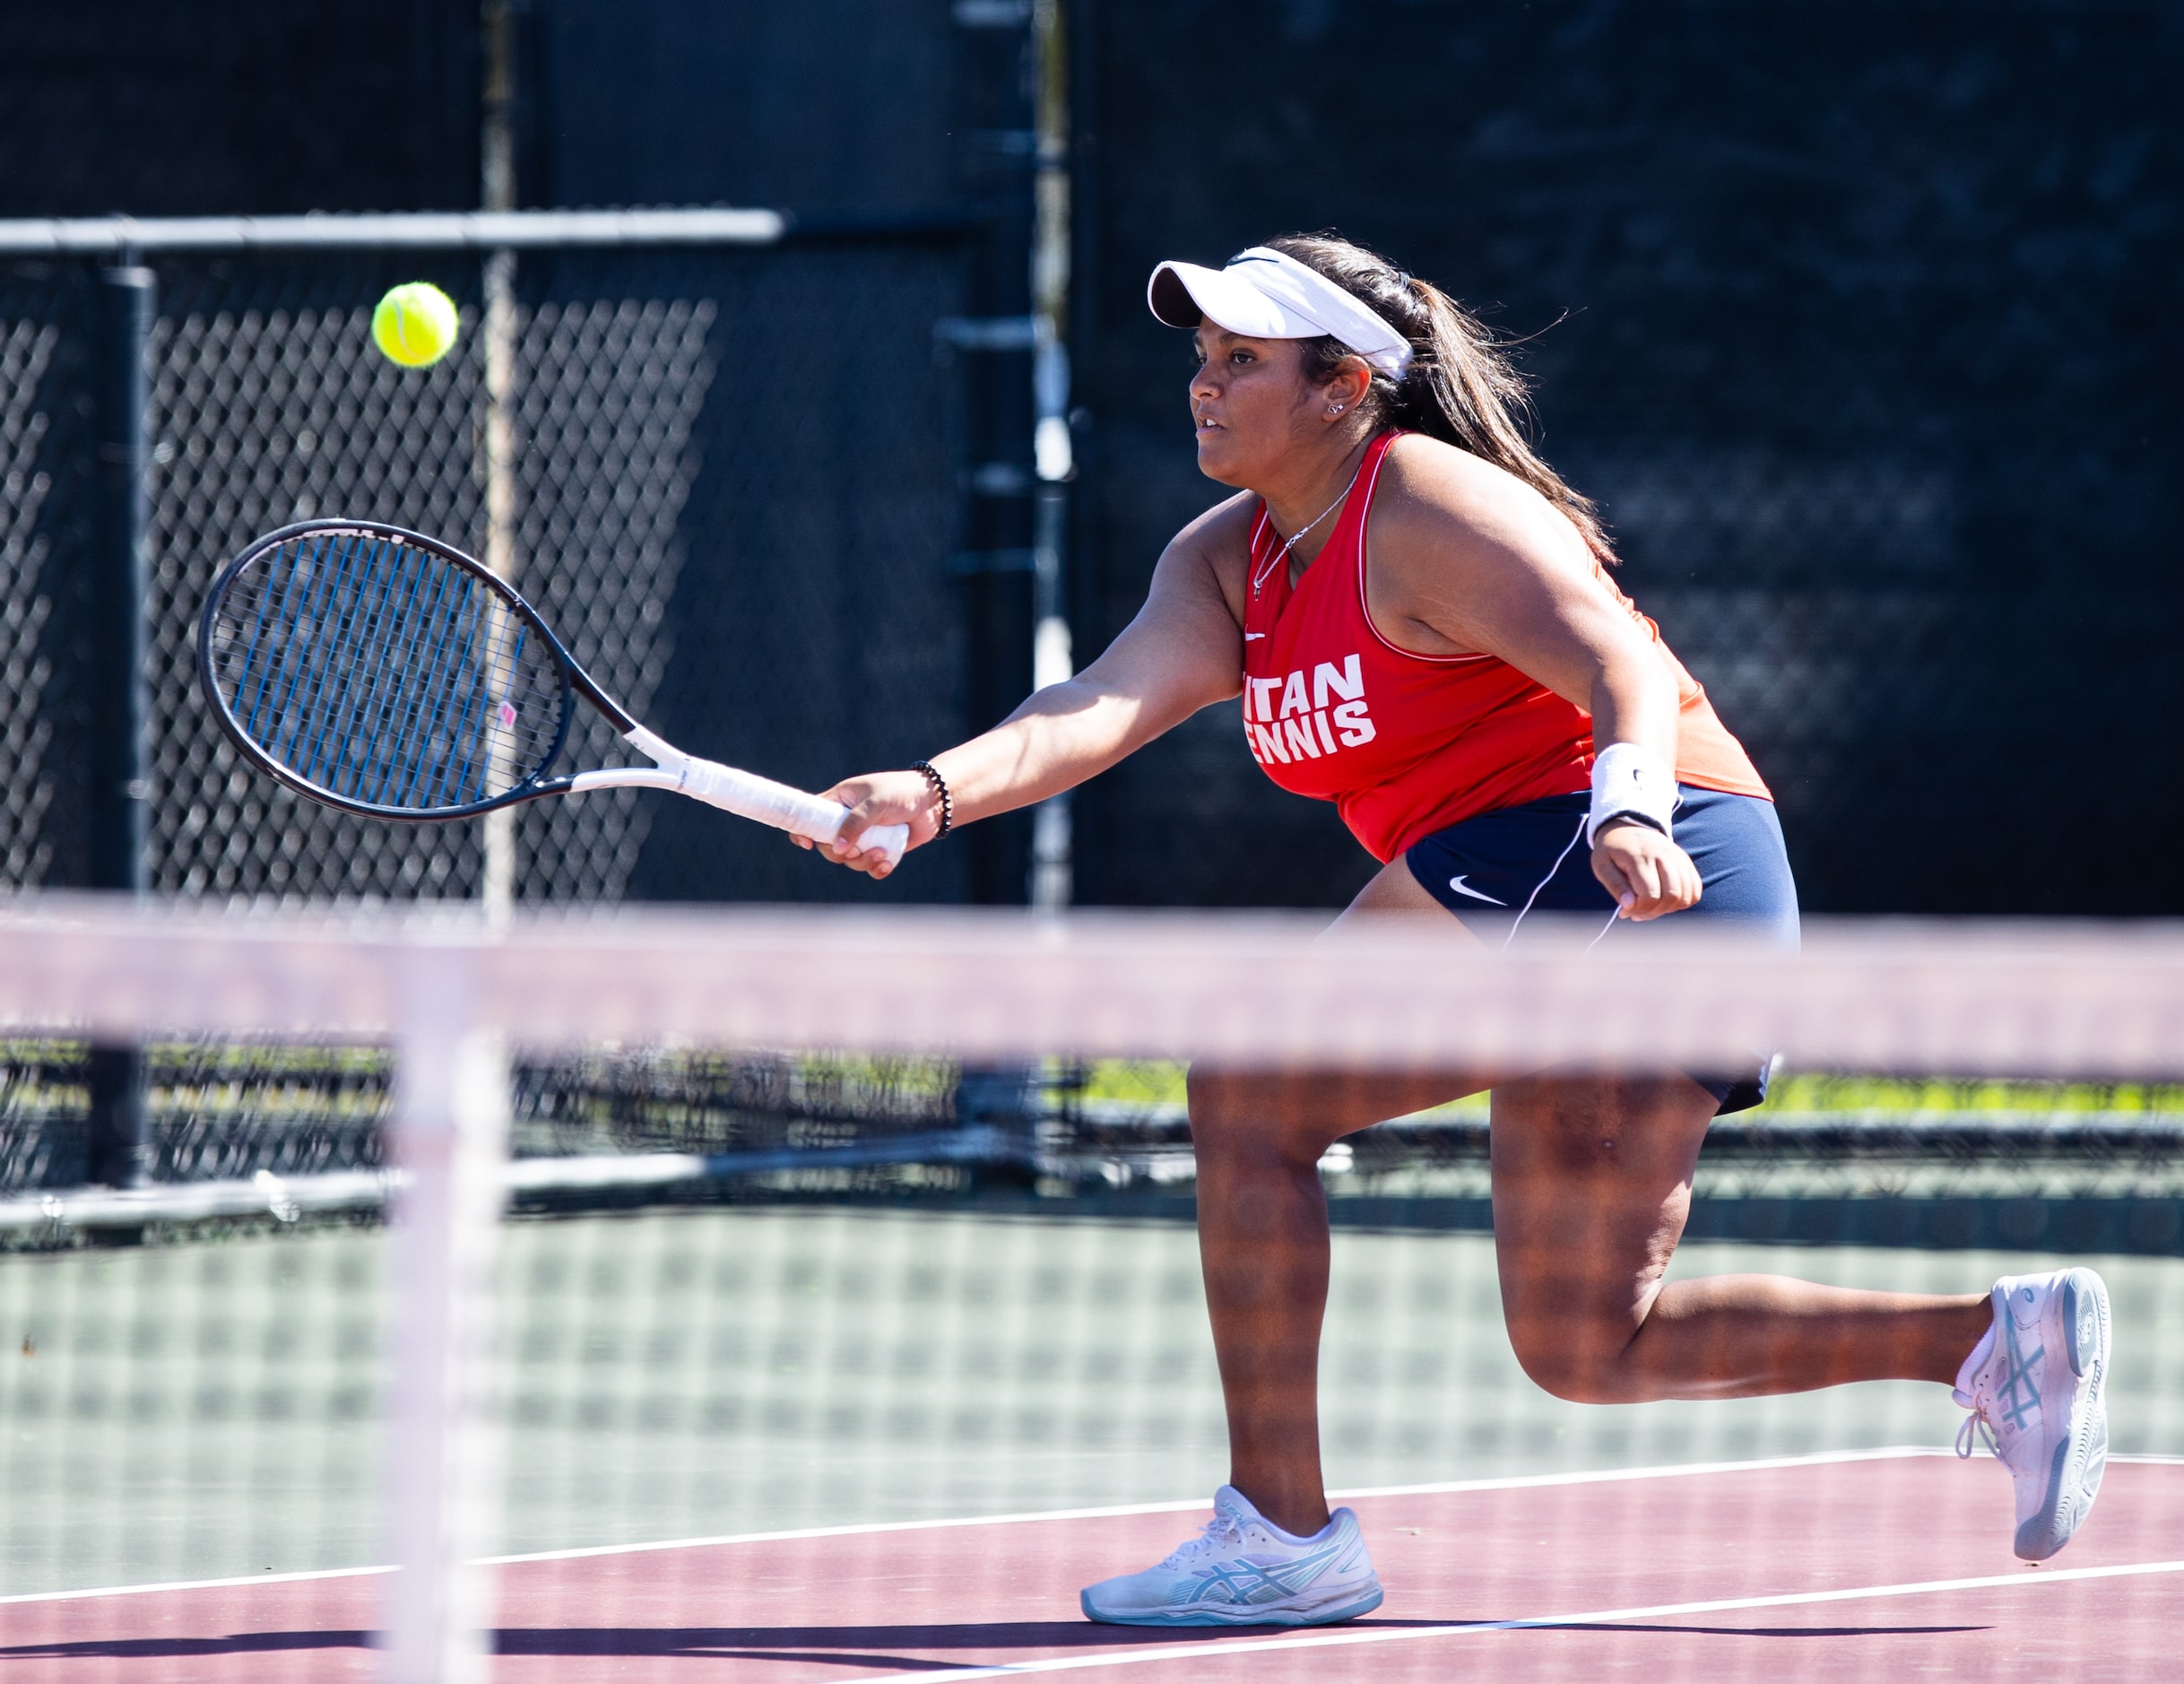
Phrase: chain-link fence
x=734 y=475
x=46 y=456
x=735 y=498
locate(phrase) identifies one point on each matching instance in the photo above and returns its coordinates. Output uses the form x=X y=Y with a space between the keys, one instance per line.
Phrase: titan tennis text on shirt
x=1297 y=718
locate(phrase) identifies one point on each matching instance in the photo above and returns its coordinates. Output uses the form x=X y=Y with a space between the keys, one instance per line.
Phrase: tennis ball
x=414 y=324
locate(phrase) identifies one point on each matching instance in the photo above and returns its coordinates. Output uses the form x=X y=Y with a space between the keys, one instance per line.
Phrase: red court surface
x=1886 y=1565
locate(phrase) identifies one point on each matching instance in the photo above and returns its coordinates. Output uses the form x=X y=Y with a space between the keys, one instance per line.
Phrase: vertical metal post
x=496 y=154
x=497 y=890
x=118 y=760
x=443 y=1461
x=1052 y=870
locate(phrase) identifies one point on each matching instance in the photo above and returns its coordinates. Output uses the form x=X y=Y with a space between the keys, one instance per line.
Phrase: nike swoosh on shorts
x=1459 y=885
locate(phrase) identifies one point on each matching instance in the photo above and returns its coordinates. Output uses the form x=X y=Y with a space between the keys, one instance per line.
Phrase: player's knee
x=1240 y=1115
x=1579 y=1364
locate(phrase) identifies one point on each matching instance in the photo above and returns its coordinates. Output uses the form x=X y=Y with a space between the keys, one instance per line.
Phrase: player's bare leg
x=1591 y=1187
x=1263 y=1244
x=1593 y=1184
x=1263 y=1234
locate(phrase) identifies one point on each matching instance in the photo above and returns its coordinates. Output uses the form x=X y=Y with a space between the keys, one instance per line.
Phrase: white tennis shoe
x=1244 y=1570
x=2034 y=1385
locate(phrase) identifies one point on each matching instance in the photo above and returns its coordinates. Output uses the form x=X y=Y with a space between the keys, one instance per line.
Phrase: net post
x=118 y=858
x=442 y=1463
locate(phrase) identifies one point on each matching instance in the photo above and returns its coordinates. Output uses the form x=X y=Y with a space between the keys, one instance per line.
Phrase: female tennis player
x=1416 y=613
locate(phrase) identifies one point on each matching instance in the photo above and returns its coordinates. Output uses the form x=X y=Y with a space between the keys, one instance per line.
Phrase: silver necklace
x=1282 y=555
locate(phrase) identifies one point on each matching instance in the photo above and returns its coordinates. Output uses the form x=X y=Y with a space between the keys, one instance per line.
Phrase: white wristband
x=1629 y=781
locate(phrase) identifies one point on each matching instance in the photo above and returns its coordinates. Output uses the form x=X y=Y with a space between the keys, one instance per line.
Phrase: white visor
x=1264 y=294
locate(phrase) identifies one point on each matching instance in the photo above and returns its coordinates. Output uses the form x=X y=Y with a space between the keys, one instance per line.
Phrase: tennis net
x=719 y=1242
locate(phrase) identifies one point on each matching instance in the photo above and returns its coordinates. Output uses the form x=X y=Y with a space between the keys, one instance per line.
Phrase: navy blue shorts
x=1493 y=871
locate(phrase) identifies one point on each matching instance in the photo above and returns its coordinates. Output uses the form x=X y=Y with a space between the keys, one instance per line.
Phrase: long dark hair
x=1460 y=387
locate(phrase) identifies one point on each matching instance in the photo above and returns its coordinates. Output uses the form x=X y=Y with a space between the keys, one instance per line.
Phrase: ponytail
x=1461 y=386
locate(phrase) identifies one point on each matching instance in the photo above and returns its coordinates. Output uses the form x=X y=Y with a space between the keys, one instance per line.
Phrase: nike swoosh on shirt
x=1458 y=884
x=1251 y=636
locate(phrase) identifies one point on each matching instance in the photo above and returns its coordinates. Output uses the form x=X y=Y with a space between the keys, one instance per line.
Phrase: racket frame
x=574 y=681
x=730 y=788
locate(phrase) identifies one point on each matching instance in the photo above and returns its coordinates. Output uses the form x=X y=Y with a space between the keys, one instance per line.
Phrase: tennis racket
x=386 y=673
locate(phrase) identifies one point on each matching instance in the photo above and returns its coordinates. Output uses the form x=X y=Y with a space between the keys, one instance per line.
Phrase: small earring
x=1334 y=409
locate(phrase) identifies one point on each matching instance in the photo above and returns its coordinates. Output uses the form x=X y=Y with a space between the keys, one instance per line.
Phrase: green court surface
x=185 y=1412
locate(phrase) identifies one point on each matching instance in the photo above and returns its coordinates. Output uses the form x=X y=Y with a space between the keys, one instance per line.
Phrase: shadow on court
x=847 y=1645
x=149 y=1649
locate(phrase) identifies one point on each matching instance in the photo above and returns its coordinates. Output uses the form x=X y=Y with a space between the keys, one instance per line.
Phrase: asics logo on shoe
x=1244 y=1580
x=2019 y=1393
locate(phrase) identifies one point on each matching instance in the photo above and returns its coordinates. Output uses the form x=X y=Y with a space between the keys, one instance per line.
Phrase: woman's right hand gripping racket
x=386 y=673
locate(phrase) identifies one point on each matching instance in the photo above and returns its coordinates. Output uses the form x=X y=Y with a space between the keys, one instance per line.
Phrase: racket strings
x=385 y=674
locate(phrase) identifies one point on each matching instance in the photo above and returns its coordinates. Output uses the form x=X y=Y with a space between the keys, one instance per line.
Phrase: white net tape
x=2027 y=999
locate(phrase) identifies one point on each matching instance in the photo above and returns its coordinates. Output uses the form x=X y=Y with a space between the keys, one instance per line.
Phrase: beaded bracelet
x=939 y=788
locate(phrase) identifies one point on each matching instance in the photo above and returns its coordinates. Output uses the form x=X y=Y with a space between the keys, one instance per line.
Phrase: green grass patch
x=1813 y=1091
x=1130 y=1082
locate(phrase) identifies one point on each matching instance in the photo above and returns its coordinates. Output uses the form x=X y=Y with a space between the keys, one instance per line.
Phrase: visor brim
x=1184 y=294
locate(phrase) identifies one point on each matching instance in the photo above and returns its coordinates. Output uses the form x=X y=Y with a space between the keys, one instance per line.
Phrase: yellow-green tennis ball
x=414 y=324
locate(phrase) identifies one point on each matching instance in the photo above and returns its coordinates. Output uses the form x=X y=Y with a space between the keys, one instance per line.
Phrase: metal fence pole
x=123 y=237
x=496 y=153
x=497 y=439
x=1053 y=868
x=442 y=1458
x=116 y=674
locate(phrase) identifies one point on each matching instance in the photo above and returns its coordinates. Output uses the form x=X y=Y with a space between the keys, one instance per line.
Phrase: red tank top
x=1406 y=744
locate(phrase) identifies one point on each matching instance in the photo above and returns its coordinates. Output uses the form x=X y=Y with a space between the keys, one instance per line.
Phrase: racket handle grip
x=749 y=796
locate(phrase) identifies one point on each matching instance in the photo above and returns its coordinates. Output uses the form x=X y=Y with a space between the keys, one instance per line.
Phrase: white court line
x=1511 y=1483
x=1202 y=1650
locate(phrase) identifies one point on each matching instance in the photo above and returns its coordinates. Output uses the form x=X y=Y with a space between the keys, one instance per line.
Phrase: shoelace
x=1221 y=1531
x=1966 y=1443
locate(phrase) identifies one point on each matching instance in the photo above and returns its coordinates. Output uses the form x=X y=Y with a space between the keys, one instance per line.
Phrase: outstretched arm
x=1183 y=652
